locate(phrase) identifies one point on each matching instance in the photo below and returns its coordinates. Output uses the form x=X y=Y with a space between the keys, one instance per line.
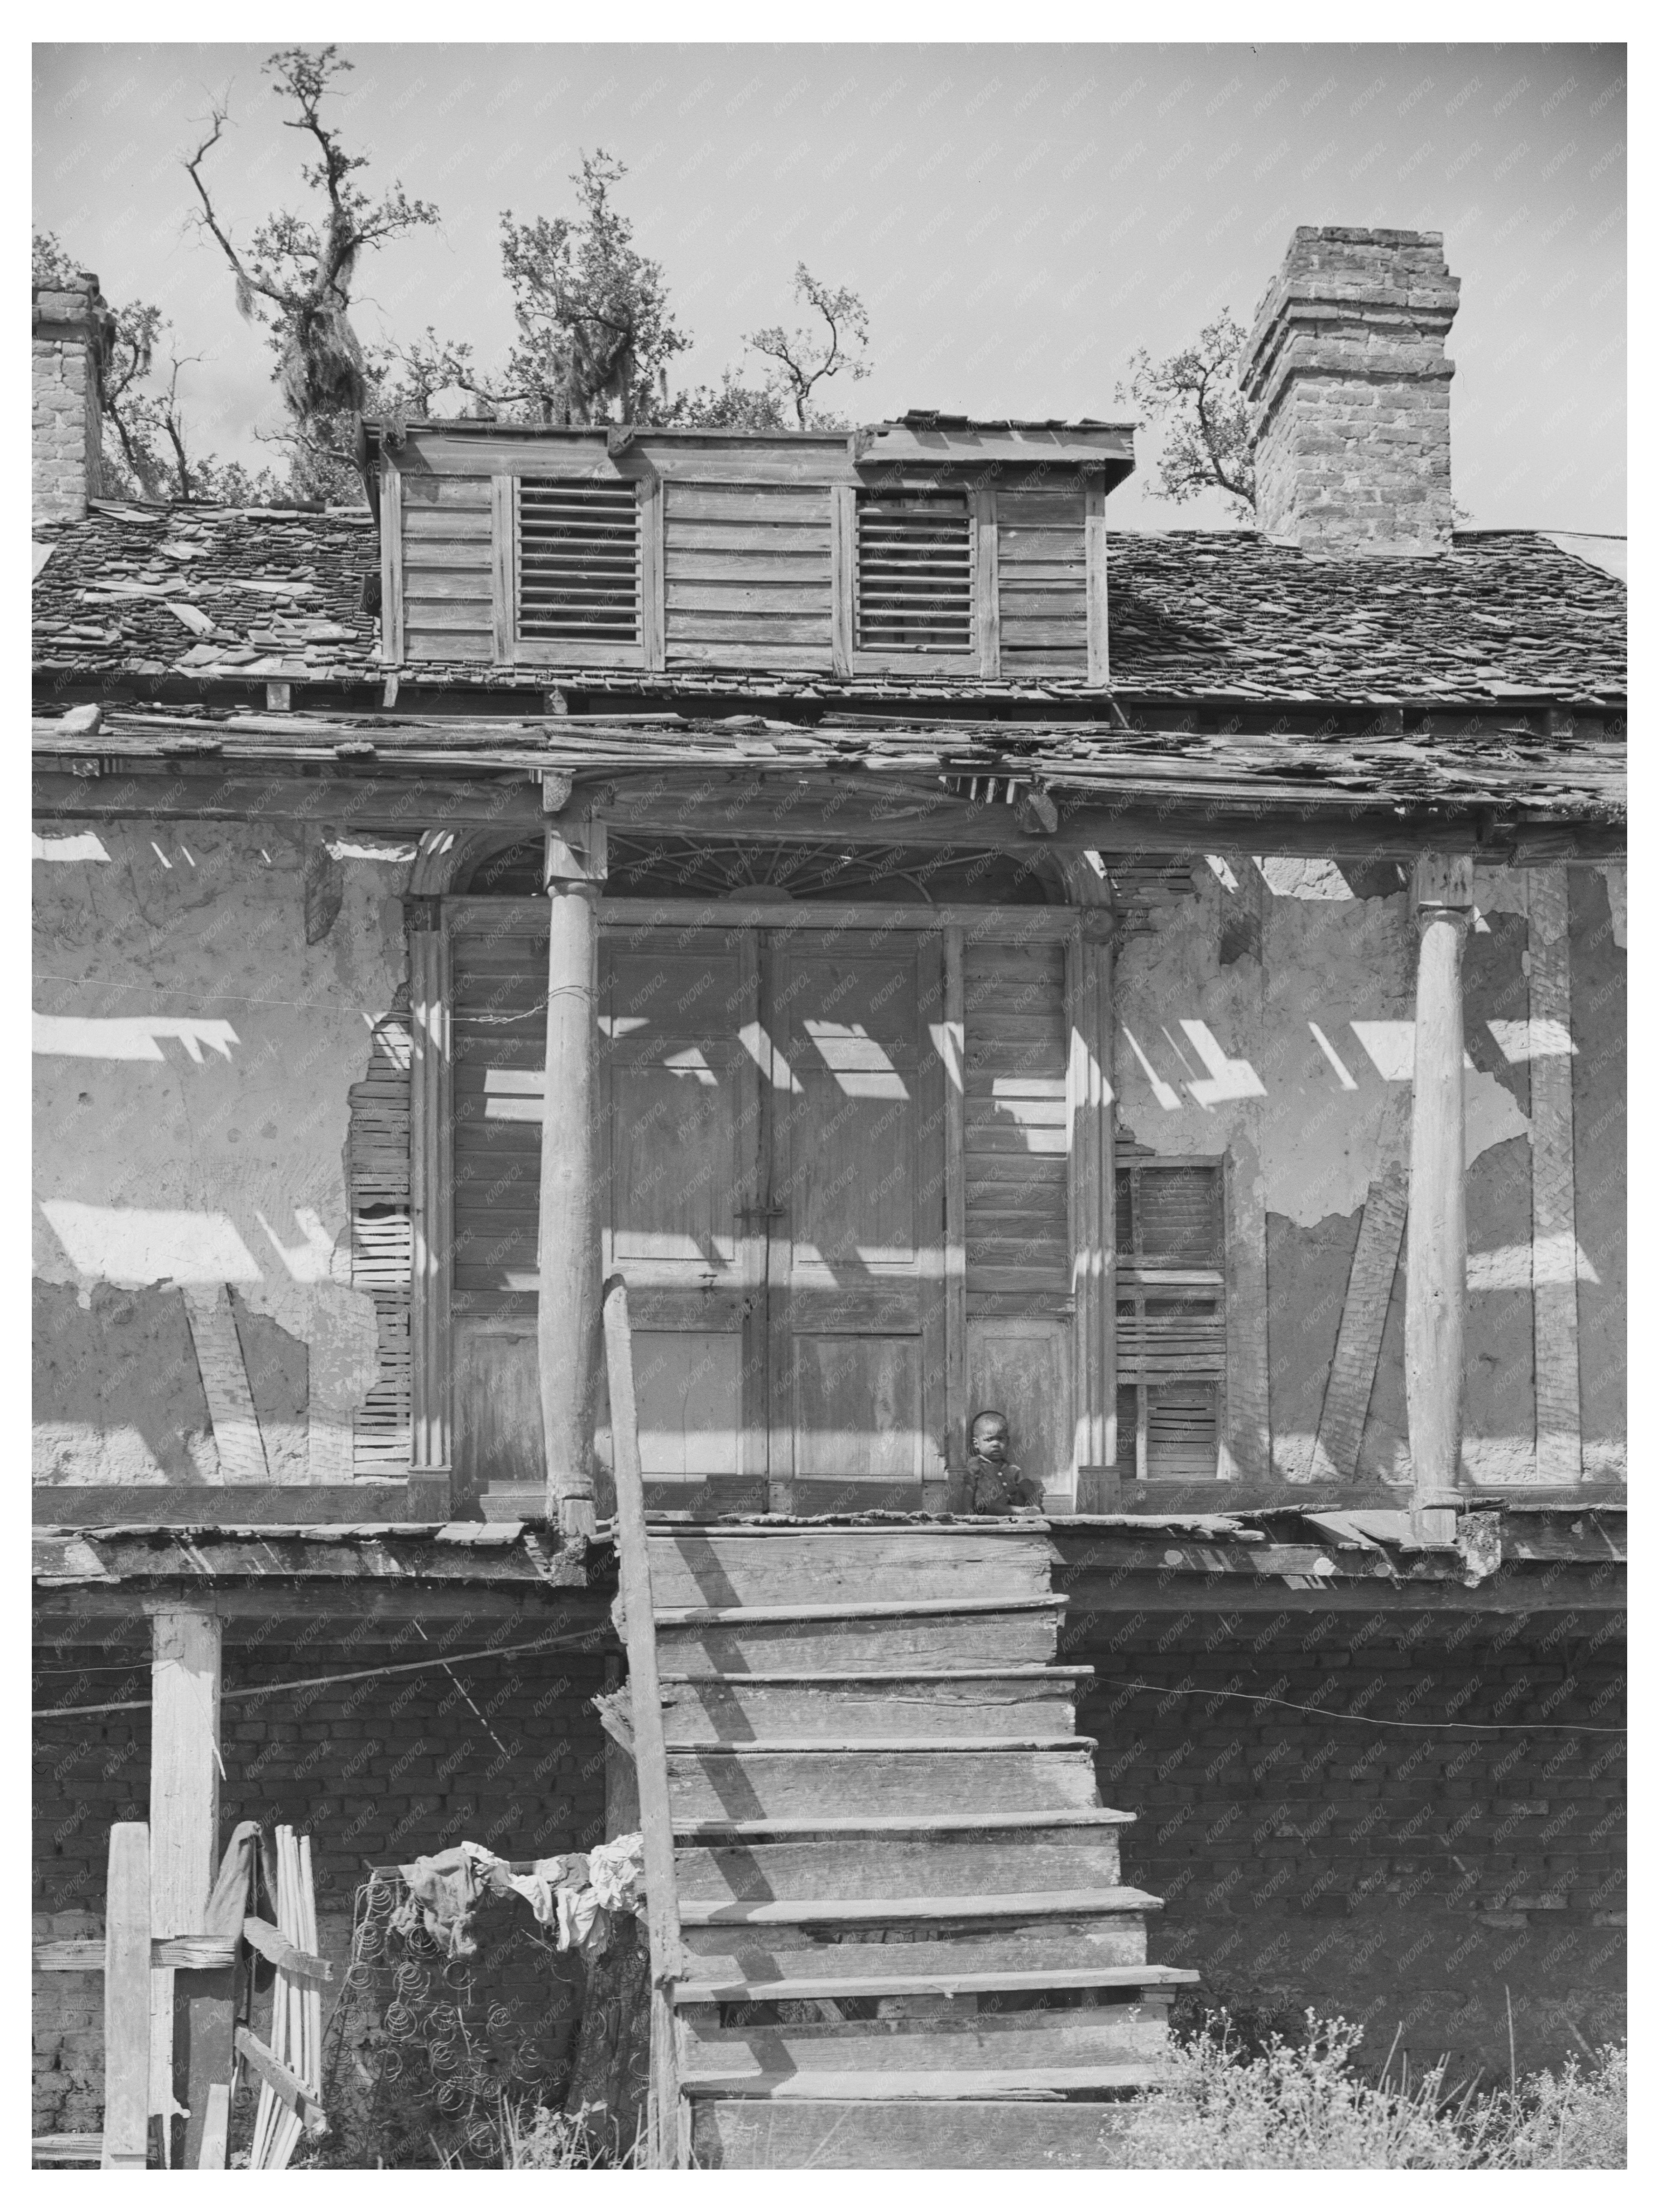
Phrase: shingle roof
x=1194 y=615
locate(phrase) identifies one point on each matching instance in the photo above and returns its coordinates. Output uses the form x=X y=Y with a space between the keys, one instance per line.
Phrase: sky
x=1019 y=220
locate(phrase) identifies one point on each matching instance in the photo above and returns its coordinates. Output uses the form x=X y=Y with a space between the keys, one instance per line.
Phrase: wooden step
x=868 y=1912
x=958 y=1862
x=954 y=2134
x=871 y=1638
x=891 y=2085
x=945 y=2040
x=799 y=1566
x=878 y=1981
x=1037 y=1701
x=899 y=1824
x=1006 y=1935
x=920 y=1777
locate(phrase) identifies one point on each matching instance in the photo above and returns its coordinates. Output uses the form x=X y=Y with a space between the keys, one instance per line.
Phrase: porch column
x=568 y=1308
x=1436 y=1230
x=184 y=1807
x=431 y=1089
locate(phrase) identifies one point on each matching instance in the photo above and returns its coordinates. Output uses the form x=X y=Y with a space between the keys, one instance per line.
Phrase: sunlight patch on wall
x=133 y=1245
x=123 y=1036
x=1537 y=1039
x=1226 y=1079
x=88 y=846
x=1553 y=1259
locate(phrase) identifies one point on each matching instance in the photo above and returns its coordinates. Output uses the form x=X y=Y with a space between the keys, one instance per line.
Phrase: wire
x=1372 y=1720
x=318 y=1682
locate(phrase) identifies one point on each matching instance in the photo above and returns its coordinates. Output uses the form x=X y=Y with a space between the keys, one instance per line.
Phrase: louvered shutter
x=915 y=573
x=1171 y=1323
x=579 y=563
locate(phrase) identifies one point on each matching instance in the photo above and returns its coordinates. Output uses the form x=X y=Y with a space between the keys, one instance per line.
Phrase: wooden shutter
x=578 y=566
x=1171 y=1317
x=915 y=573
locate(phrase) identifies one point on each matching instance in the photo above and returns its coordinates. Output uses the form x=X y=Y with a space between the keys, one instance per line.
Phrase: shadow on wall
x=118 y=1388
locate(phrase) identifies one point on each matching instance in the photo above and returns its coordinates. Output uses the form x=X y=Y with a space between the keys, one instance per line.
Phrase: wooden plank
x=804 y=1988
x=729 y=1712
x=283 y=2081
x=392 y=641
x=270 y=1943
x=215 y=2132
x=204 y=2021
x=983 y=1943
x=734 y=2134
x=1039 y=1905
x=948 y=1864
x=67 y=2150
x=663 y=2146
x=854 y=1643
x=1064 y=2035
x=1094 y=533
x=501 y=586
x=127 y=2013
x=705 y=1783
x=1335 y=1452
x=652 y=619
x=801 y=505
x=218 y=1347
x=788 y=1567
x=1559 y=1451
x=739 y=602
x=987 y=605
x=185 y=1768
x=450 y=527
x=894 y=2086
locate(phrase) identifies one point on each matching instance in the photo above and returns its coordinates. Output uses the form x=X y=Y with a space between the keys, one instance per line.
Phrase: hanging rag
x=442 y=1891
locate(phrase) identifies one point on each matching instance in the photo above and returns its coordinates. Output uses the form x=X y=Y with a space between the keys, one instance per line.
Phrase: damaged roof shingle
x=1215 y=615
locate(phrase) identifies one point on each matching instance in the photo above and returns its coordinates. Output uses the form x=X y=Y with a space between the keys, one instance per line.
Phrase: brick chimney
x=1350 y=394
x=74 y=333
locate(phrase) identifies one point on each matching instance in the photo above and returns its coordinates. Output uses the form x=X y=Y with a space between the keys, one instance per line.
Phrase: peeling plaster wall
x=1595 y=918
x=1295 y=1063
x=192 y=1057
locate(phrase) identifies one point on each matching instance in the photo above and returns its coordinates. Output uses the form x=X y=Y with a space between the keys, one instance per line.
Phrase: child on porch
x=995 y=1484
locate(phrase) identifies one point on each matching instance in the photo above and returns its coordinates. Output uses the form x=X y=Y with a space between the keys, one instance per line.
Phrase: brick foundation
x=374 y=1772
x=1404 y=1876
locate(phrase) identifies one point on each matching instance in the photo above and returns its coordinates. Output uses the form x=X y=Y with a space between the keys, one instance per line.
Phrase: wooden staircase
x=905 y=1937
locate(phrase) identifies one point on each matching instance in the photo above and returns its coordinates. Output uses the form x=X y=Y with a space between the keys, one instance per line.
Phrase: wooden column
x=430 y=1108
x=1436 y=1229
x=954 y=1044
x=184 y=1807
x=567 y=1307
x=1554 y=1205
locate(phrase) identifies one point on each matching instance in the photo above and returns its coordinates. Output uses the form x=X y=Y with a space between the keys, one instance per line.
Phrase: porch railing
x=663 y=2145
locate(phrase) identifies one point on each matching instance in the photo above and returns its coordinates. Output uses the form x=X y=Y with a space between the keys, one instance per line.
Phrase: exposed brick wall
x=1406 y=1876
x=374 y=1772
x=1350 y=393
x=67 y=423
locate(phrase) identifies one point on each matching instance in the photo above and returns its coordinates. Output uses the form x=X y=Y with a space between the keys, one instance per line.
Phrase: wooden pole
x=184 y=1811
x=1435 y=1227
x=567 y=1317
x=650 y=1751
x=126 y=2000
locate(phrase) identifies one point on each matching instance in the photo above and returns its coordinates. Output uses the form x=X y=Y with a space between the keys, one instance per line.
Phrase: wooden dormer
x=933 y=546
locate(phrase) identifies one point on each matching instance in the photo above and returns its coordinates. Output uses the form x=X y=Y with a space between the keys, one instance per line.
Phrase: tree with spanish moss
x=297 y=275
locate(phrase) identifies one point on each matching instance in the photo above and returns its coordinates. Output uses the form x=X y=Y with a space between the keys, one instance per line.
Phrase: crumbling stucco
x=1293 y=1065
x=193 y=1055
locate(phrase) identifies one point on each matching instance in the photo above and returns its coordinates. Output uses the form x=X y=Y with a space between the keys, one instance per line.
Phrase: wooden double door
x=772 y=1160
